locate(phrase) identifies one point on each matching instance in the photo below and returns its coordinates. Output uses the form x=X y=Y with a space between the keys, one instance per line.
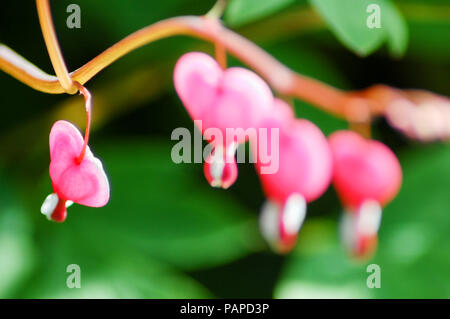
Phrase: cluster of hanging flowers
x=365 y=173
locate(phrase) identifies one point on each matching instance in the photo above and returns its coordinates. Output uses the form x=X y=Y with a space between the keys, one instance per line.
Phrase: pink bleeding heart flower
x=367 y=176
x=77 y=175
x=79 y=181
x=304 y=173
x=230 y=101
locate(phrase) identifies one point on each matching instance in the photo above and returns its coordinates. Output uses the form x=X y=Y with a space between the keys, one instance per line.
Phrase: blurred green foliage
x=166 y=233
x=240 y=12
x=349 y=19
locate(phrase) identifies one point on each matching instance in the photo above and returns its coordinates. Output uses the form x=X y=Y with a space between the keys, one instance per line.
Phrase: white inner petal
x=269 y=222
x=369 y=218
x=217 y=165
x=231 y=149
x=347 y=230
x=49 y=205
x=294 y=213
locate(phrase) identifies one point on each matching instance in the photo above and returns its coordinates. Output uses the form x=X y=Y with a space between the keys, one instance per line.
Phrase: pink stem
x=88 y=104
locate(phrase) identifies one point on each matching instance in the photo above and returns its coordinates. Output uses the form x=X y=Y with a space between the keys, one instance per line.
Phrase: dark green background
x=165 y=232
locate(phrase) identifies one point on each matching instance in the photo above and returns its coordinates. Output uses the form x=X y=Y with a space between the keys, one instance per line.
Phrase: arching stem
x=281 y=78
x=51 y=42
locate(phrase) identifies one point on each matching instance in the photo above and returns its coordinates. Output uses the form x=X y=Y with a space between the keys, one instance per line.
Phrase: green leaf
x=163 y=209
x=413 y=242
x=396 y=29
x=240 y=12
x=348 y=21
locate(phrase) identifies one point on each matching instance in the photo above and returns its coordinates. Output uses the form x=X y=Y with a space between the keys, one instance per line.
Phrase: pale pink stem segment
x=88 y=104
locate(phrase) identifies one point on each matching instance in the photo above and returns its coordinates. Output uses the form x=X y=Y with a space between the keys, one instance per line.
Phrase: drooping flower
x=77 y=175
x=304 y=173
x=228 y=101
x=82 y=181
x=367 y=176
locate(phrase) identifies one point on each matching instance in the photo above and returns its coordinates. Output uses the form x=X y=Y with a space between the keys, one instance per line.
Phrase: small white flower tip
x=49 y=205
x=216 y=169
x=369 y=218
x=232 y=148
x=294 y=213
x=269 y=222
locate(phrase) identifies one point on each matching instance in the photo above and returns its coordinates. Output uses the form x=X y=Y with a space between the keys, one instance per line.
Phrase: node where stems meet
x=217 y=10
x=51 y=42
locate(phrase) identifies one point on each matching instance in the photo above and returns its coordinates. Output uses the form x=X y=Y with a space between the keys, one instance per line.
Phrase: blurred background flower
x=165 y=232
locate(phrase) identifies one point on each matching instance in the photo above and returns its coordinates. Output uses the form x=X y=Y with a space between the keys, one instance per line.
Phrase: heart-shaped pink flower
x=74 y=179
x=363 y=169
x=231 y=101
x=305 y=162
x=367 y=176
x=231 y=98
x=304 y=173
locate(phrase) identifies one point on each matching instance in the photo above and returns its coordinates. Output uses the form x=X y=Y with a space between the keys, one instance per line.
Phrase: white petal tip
x=49 y=205
x=269 y=222
x=294 y=213
x=369 y=218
